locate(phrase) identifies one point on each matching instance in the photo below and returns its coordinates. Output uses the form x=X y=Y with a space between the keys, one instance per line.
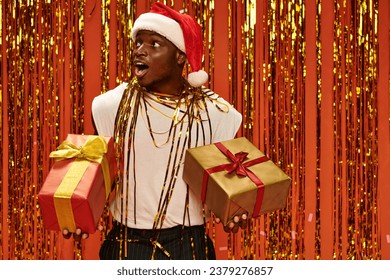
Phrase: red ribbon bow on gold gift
x=237 y=165
x=240 y=168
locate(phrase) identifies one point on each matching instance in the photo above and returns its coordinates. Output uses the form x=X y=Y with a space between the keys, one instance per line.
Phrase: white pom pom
x=197 y=79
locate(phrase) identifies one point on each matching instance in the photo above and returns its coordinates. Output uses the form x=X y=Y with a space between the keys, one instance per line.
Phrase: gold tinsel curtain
x=311 y=79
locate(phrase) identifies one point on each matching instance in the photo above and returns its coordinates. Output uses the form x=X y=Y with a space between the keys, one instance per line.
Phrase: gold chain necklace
x=174 y=108
x=175 y=120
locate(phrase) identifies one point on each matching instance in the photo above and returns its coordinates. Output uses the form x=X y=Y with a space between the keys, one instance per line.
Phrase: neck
x=172 y=90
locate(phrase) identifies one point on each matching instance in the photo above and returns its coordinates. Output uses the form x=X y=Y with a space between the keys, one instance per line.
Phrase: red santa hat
x=180 y=29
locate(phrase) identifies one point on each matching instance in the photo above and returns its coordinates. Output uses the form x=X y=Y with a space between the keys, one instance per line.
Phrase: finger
x=77 y=235
x=243 y=224
x=78 y=231
x=66 y=234
x=235 y=228
x=244 y=221
x=234 y=225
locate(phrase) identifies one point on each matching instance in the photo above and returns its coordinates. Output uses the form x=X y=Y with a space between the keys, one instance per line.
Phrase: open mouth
x=140 y=69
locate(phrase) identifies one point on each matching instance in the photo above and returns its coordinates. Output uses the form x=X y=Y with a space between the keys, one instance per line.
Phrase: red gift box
x=76 y=189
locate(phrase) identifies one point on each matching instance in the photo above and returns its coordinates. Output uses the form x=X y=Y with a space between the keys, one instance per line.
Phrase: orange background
x=311 y=79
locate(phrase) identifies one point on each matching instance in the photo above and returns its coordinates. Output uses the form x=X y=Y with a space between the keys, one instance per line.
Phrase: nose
x=140 y=50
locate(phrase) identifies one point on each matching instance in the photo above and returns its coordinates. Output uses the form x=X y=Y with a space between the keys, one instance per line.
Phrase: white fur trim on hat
x=197 y=79
x=162 y=25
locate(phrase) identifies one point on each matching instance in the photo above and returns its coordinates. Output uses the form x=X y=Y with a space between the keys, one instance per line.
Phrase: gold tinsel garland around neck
x=186 y=114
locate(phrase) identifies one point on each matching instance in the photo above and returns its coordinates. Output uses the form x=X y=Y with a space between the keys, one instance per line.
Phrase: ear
x=181 y=57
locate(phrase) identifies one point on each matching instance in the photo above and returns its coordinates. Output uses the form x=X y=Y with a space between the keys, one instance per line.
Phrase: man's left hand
x=238 y=222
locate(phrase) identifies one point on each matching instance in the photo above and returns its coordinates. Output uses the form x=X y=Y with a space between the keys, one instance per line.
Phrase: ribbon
x=240 y=167
x=93 y=150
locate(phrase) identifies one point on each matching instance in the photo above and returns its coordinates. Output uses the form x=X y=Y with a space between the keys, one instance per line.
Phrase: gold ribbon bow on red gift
x=240 y=167
x=93 y=150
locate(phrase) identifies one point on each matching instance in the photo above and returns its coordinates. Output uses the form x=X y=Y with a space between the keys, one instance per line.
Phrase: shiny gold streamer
x=126 y=11
x=106 y=19
x=41 y=59
x=42 y=99
x=283 y=72
x=355 y=86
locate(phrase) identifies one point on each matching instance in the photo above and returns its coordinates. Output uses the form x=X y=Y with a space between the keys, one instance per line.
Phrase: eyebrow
x=154 y=36
x=151 y=34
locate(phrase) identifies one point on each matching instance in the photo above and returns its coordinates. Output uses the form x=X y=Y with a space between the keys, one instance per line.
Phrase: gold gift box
x=233 y=177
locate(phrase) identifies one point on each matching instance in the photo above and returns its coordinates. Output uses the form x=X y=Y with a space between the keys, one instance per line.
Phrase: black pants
x=173 y=243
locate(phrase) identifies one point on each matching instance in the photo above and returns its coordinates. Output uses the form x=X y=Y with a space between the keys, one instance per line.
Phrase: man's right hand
x=78 y=234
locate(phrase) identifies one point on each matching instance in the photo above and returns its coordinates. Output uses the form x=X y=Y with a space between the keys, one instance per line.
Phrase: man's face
x=156 y=62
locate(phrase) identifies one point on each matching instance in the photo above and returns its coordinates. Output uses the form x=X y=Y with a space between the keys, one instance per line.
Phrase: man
x=154 y=119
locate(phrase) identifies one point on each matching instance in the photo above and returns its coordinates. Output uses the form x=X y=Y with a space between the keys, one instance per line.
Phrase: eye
x=156 y=44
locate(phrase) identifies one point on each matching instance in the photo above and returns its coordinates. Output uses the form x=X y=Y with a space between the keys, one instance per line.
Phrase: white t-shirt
x=151 y=162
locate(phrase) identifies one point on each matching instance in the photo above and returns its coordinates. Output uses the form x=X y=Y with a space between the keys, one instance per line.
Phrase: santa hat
x=180 y=29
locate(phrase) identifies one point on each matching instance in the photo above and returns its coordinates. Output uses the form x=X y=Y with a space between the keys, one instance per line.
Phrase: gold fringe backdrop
x=311 y=79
